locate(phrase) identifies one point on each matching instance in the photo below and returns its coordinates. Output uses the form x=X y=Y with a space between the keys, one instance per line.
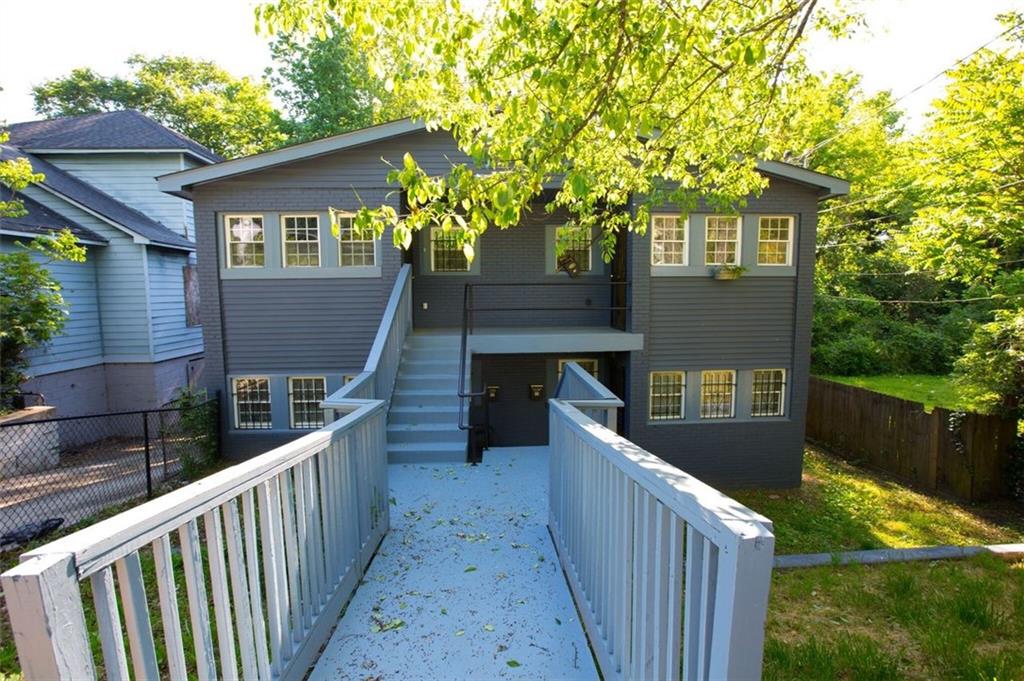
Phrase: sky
x=906 y=43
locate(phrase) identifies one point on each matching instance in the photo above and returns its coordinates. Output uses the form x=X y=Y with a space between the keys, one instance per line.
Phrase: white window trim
x=291 y=402
x=227 y=240
x=374 y=240
x=284 y=241
x=686 y=237
x=234 y=400
x=782 y=396
x=739 y=240
x=789 y=242
x=590 y=251
x=650 y=397
x=430 y=246
x=732 y=406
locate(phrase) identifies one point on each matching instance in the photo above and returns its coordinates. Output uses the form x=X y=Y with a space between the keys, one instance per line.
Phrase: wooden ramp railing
x=671 y=576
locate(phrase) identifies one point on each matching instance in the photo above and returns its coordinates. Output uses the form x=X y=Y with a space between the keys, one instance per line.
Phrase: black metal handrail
x=468 y=310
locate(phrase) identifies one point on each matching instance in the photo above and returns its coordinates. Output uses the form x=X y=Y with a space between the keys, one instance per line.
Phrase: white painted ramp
x=466 y=585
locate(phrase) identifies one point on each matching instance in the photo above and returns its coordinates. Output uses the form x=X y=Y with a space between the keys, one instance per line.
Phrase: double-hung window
x=305 y=393
x=774 y=240
x=769 y=392
x=356 y=249
x=722 y=240
x=243 y=236
x=446 y=254
x=576 y=243
x=718 y=394
x=666 y=399
x=251 y=397
x=668 y=240
x=301 y=237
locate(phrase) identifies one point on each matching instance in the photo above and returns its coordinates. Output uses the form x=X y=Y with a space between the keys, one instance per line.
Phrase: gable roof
x=38 y=219
x=181 y=183
x=104 y=206
x=125 y=130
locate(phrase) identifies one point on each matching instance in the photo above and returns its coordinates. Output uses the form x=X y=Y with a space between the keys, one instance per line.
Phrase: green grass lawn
x=840 y=507
x=925 y=620
x=932 y=391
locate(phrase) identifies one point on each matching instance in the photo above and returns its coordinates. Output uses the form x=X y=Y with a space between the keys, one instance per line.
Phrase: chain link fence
x=56 y=472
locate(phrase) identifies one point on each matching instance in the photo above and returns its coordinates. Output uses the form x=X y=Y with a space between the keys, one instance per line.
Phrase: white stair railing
x=671 y=576
x=377 y=380
x=276 y=544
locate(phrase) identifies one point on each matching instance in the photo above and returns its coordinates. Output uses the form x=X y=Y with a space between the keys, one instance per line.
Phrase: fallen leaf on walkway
x=513 y=663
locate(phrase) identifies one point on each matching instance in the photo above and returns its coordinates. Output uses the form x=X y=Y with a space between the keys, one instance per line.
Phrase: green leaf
x=513 y=663
x=470 y=568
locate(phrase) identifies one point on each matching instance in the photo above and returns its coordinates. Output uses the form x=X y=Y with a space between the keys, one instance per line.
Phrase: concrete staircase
x=423 y=423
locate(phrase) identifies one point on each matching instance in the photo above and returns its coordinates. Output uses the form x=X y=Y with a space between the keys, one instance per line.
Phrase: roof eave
x=120 y=150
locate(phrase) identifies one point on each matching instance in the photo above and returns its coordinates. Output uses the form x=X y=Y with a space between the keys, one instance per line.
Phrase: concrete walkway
x=466 y=585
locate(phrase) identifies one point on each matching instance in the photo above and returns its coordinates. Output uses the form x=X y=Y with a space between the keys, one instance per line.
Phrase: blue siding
x=81 y=343
x=171 y=337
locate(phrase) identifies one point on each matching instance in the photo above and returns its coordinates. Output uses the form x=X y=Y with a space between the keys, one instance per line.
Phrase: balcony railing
x=670 y=575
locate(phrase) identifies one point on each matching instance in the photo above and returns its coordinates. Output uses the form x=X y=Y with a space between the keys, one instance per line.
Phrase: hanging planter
x=728 y=272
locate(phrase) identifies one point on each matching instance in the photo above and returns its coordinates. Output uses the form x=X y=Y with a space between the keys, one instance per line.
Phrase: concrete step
x=424 y=432
x=427 y=365
x=429 y=340
x=423 y=398
x=427 y=452
x=426 y=414
x=438 y=382
x=430 y=352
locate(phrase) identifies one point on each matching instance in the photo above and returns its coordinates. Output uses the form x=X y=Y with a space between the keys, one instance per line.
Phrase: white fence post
x=45 y=607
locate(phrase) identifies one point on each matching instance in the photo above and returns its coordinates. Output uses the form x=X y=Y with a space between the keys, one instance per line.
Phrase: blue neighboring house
x=133 y=338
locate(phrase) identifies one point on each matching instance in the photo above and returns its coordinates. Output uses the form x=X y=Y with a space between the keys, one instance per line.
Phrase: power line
x=852 y=125
x=923 y=302
x=911 y=272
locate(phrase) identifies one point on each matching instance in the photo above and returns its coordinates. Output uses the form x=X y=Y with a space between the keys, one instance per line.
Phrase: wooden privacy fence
x=964 y=454
x=670 y=576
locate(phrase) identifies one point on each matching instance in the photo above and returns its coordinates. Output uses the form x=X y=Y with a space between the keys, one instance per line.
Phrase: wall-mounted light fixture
x=536 y=391
x=568 y=264
x=492 y=393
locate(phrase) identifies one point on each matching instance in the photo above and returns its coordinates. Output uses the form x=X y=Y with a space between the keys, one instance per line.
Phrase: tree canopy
x=653 y=99
x=232 y=116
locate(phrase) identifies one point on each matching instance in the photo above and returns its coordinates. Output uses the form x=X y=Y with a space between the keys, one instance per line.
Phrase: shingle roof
x=67 y=185
x=106 y=130
x=38 y=219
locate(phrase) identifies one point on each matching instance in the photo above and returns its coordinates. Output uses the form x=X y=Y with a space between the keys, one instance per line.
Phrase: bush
x=851 y=356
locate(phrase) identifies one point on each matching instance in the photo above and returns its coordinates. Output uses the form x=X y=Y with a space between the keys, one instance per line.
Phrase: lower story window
x=717 y=394
x=588 y=365
x=769 y=392
x=252 y=403
x=667 y=388
x=304 y=396
x=446 y=254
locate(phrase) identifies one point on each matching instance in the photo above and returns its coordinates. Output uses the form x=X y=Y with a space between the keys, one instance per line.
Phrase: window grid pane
x=717 y=390
x=722 y=239
x=306 y=394
x=769 y=391
x=668 y=240
x=577 y=246
x=302 y=241
x=446 y=253
x=588 y=365
x=245 y=241
x=355 y=250
x=667 y=395
x=252 y=403
x=773 y=235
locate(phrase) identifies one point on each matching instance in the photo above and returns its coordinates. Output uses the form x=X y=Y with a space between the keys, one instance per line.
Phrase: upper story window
x=769 y=392
x=244 y=238
x=446 y=253
x=577 y=246
x=666 y=399
x=355 y=249
x=668 y=240
x=251 y=397
x=301 y=237
x=305 y=393
x=774 y=240
x=718 y=394
x=722 y=240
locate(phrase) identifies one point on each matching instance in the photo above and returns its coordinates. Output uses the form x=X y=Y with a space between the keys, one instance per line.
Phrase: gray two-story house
x=713 y=371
